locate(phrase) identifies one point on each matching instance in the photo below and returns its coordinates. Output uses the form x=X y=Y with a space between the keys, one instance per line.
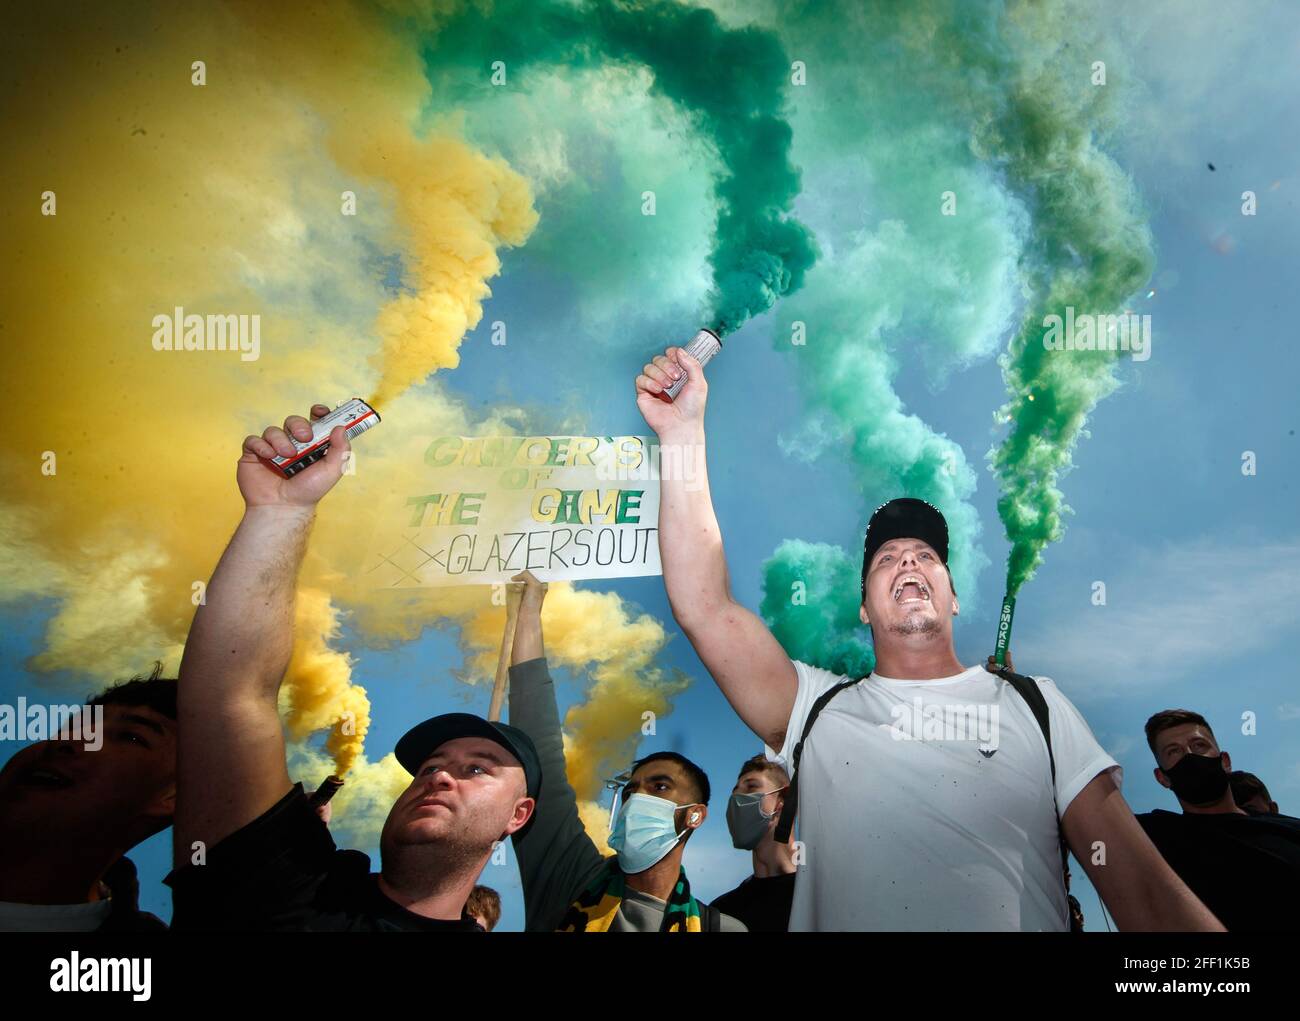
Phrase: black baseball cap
x=422 y=740
x=904 y=518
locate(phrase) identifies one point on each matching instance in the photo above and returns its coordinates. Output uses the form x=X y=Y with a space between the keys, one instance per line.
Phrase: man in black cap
x=250 y=851
x=928 y=797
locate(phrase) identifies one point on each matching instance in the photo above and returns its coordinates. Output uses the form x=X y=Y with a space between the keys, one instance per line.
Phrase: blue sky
x=1201 y=563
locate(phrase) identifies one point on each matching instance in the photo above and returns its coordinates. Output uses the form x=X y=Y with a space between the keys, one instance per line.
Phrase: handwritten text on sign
x=566 y=507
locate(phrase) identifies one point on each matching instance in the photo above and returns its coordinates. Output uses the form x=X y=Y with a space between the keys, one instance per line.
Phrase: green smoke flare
x=1092 y=251
x=729 y=81
x=882 y=137
x=1009 y=84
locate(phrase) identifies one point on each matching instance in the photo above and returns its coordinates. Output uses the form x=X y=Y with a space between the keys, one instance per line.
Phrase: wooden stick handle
x=514 y=593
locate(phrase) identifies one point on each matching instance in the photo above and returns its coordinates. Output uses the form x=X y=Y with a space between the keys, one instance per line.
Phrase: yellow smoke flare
x=363 y=802
x=465 y=208
x=220 y=197
x=227 y=196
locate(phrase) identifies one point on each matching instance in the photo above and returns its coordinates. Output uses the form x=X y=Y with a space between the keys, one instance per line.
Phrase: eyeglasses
x=616 y=784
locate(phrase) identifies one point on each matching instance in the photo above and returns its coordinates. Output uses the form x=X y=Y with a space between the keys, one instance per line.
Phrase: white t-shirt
x=951 y=829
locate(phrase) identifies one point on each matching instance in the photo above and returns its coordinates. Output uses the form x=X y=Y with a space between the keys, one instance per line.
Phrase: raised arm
x=231 y=765
x=749 y=665
x=1142 y=892
x=556 y=857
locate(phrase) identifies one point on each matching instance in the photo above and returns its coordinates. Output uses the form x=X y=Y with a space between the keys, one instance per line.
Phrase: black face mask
x=1198 y=779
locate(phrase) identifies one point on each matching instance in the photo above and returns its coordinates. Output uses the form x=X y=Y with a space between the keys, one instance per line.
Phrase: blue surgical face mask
x=644 y=831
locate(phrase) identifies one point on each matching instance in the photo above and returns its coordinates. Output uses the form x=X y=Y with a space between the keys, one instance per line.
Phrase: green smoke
x=1092 y=251
x=992 y=103
x=903 y=102
x=810 y=601
x=882 y=138
x=729 y=82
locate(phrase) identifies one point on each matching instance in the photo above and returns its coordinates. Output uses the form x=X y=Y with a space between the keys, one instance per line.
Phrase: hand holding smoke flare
x=320 y=798
x=703 y=346
x=676 y=420
x=354 y=417
x=666 y=375
x=323 y=794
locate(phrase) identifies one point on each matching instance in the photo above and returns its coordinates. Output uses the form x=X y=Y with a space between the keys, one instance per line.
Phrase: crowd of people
x=927 y=795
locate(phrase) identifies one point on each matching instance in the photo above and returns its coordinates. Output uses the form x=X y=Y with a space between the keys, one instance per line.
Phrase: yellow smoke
x=595 y=819
x=220 y=198
x=465 y=208
x=322 y=695
x=228 y=198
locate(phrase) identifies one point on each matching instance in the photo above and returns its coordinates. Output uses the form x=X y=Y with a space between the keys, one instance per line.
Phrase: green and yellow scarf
x=596 y=906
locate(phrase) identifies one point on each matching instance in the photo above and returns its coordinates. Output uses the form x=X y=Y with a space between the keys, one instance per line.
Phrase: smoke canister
x=1004 y=630
x=356 y=415
x=703 y=346
x=327 y=789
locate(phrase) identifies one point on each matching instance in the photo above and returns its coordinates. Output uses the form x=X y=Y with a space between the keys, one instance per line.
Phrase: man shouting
x=928 y=795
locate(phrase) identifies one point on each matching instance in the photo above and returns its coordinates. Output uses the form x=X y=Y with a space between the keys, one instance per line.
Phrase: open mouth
x=49 y=779
x=911 y=588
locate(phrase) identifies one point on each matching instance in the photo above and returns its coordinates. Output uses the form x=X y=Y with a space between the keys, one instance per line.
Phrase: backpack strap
x=712 y=918
x=790 y=808
x=1028 y=689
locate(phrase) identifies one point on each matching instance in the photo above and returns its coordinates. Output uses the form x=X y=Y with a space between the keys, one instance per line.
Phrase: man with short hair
x=250 y=851
x=762 y=901
x=929 y=795
x=1213 y=843
x=568 y=885
x=1250 y=794
x=69 y=814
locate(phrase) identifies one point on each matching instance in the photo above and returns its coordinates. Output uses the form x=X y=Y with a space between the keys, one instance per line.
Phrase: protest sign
x=565 y=507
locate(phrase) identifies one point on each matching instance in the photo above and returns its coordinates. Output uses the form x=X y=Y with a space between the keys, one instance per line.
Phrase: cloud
x=1171 y=612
